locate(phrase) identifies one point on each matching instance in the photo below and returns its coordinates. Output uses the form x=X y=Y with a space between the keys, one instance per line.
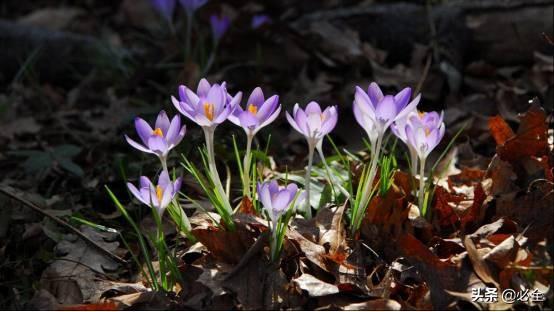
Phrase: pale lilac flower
x=219 y=24
x=165 y=7
x=160 y=140
x=276 y=199
x=158 y=196
x=424 y=133
x=382 y=110
x=191 y=6
x=260 y=19
x=259 y=112
x=313 y=123
x=209 y=106
x=428 y=118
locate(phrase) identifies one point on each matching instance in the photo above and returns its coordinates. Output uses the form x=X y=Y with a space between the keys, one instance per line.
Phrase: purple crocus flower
x=164 y=7
x=219 y=24
x=313 y=123
x=191 y=6
x=260 y=19
x=428 y=118
x=259 y=112
x=381 y=109
x=157 y=196
x=160 y=140
x=424 y=133
x=276 y=199
x=209 y=106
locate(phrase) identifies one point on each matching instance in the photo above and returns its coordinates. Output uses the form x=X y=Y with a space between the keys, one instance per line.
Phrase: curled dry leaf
x=314 y=286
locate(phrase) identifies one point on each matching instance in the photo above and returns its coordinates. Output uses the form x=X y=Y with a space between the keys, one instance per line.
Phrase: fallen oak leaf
x=530 y=139
x=480 y=267
x=500 y=130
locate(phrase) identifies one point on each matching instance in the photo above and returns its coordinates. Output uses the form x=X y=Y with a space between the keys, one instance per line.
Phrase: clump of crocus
x=314 y=124
x=219 y=25
x=208 y=107
x=278 y=203
x=156 y=196
x=423 y=133
x=259 y=113
x=161 y=139
x=376 y=112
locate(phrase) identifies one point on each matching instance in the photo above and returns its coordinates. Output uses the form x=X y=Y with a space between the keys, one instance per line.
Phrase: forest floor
x=70 y=91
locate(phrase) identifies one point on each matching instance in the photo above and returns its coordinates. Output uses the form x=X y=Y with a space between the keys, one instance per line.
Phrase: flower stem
x=308 y=208
x=209 y=134
x=246 y=167
x=421 y=193
x=163 y=160
x=332 y=182
x=413 y=160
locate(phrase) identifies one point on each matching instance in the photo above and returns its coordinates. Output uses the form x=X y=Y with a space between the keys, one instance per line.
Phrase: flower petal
x=402 y=98
x=267 y=108
x=162 y=122
x=167 y=196
x=203 y=88
x=143 y=129
x=158 y=145
x=173 y=130
x=138 y=146
x=256 y=98
x=133 y=189
x=374 y=94
x=163 y=179
x=293 y=123
x=270 y=119
x=313 y=108
x=364 y=103
x=248 y=120
x=216 y=97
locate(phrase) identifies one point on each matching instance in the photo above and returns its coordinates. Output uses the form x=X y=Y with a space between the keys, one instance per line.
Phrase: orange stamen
x=253 y=109
x=209 y=110
x=421 y=114
x=427 y=132
x=158 y=132
x=159 y=193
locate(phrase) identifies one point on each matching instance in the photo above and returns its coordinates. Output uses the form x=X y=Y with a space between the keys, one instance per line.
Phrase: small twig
x=256 y=247
x=424 y=74
x=64 y=224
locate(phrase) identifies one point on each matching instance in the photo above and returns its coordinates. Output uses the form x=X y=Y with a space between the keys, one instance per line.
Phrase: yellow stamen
x=158 y=132
x=209 y=110
x=427 y=132
x=253 y=109
x=322 y=117
x=421 y=114
x=159 y=193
